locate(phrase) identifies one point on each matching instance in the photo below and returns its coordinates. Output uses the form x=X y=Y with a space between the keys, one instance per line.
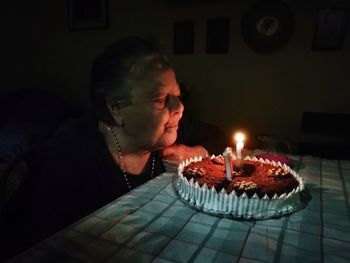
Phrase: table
x=150 y=224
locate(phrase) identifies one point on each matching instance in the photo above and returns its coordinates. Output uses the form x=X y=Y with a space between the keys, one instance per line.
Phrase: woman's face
x=151 y=121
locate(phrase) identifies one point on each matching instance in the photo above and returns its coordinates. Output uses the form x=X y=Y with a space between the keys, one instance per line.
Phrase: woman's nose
x=175 y=105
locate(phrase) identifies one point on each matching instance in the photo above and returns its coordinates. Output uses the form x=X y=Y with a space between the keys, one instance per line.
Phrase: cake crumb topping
x=277 y=172
x=196 y=172
x=244 y=185
x=238 y=172
x=206 y=172
x=218 y=159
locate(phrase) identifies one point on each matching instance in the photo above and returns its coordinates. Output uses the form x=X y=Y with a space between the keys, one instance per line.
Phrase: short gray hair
x=128 y=60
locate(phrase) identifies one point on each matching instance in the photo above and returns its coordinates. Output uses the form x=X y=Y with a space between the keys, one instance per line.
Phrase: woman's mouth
x=172 y=126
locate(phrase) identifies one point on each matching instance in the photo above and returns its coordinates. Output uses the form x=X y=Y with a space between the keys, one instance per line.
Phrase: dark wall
x=262 y=93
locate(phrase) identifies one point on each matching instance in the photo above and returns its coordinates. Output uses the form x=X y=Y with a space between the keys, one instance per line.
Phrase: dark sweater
x=75 y=175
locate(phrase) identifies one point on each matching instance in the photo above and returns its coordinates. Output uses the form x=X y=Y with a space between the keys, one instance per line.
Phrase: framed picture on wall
x=183 y=37
x=218 y=30
x=87 y=14
x=330 y=29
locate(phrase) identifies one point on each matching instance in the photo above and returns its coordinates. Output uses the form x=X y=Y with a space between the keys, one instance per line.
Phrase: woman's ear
x=115 y=112
x=114 y=108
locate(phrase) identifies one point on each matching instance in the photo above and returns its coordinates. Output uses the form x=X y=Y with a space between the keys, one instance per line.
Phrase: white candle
x=239 y=138
x=228 y=162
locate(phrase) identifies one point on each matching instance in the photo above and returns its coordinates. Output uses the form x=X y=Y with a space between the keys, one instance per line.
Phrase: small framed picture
x=218 y=35
x=330 y=29
x=87 y=14
x=183 y=37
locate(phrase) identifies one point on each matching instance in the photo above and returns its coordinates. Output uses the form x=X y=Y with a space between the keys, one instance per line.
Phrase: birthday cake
x=258 y=189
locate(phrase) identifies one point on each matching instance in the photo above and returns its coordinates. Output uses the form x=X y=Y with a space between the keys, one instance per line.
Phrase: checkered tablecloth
x=150 y=224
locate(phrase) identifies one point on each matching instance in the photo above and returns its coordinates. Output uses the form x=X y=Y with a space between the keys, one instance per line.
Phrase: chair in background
x=326 y=135
x=28 y=119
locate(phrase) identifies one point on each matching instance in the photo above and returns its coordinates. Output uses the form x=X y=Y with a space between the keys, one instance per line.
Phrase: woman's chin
x=169 y=139
x=171 y=129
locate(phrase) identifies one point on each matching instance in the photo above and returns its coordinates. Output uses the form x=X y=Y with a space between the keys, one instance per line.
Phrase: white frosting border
x=230 y=204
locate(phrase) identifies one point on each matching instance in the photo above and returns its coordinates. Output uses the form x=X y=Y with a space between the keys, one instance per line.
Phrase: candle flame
x=239 y=137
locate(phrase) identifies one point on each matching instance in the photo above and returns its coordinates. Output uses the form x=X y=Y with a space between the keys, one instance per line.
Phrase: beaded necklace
x=121 y=159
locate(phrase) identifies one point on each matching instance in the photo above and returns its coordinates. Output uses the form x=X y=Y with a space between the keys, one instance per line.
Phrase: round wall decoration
x=267 y=25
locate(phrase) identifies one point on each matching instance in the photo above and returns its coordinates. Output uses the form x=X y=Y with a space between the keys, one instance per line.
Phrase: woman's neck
x=132 y=159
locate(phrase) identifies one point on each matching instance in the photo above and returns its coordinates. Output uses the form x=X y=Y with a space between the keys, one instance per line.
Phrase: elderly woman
x=137 y=105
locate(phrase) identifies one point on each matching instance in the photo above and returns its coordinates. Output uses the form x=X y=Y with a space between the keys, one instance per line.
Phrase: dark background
x=263 y=93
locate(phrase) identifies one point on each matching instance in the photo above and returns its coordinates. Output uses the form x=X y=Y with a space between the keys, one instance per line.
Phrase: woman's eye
x=160 y=102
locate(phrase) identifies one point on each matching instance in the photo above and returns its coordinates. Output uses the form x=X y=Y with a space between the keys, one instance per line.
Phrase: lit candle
x=239 y=138
x=228 y=162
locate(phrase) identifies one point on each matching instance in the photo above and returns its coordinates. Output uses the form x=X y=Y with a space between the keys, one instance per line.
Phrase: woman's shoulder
x=76 y=133
x=74 y=142
x=75 y=129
